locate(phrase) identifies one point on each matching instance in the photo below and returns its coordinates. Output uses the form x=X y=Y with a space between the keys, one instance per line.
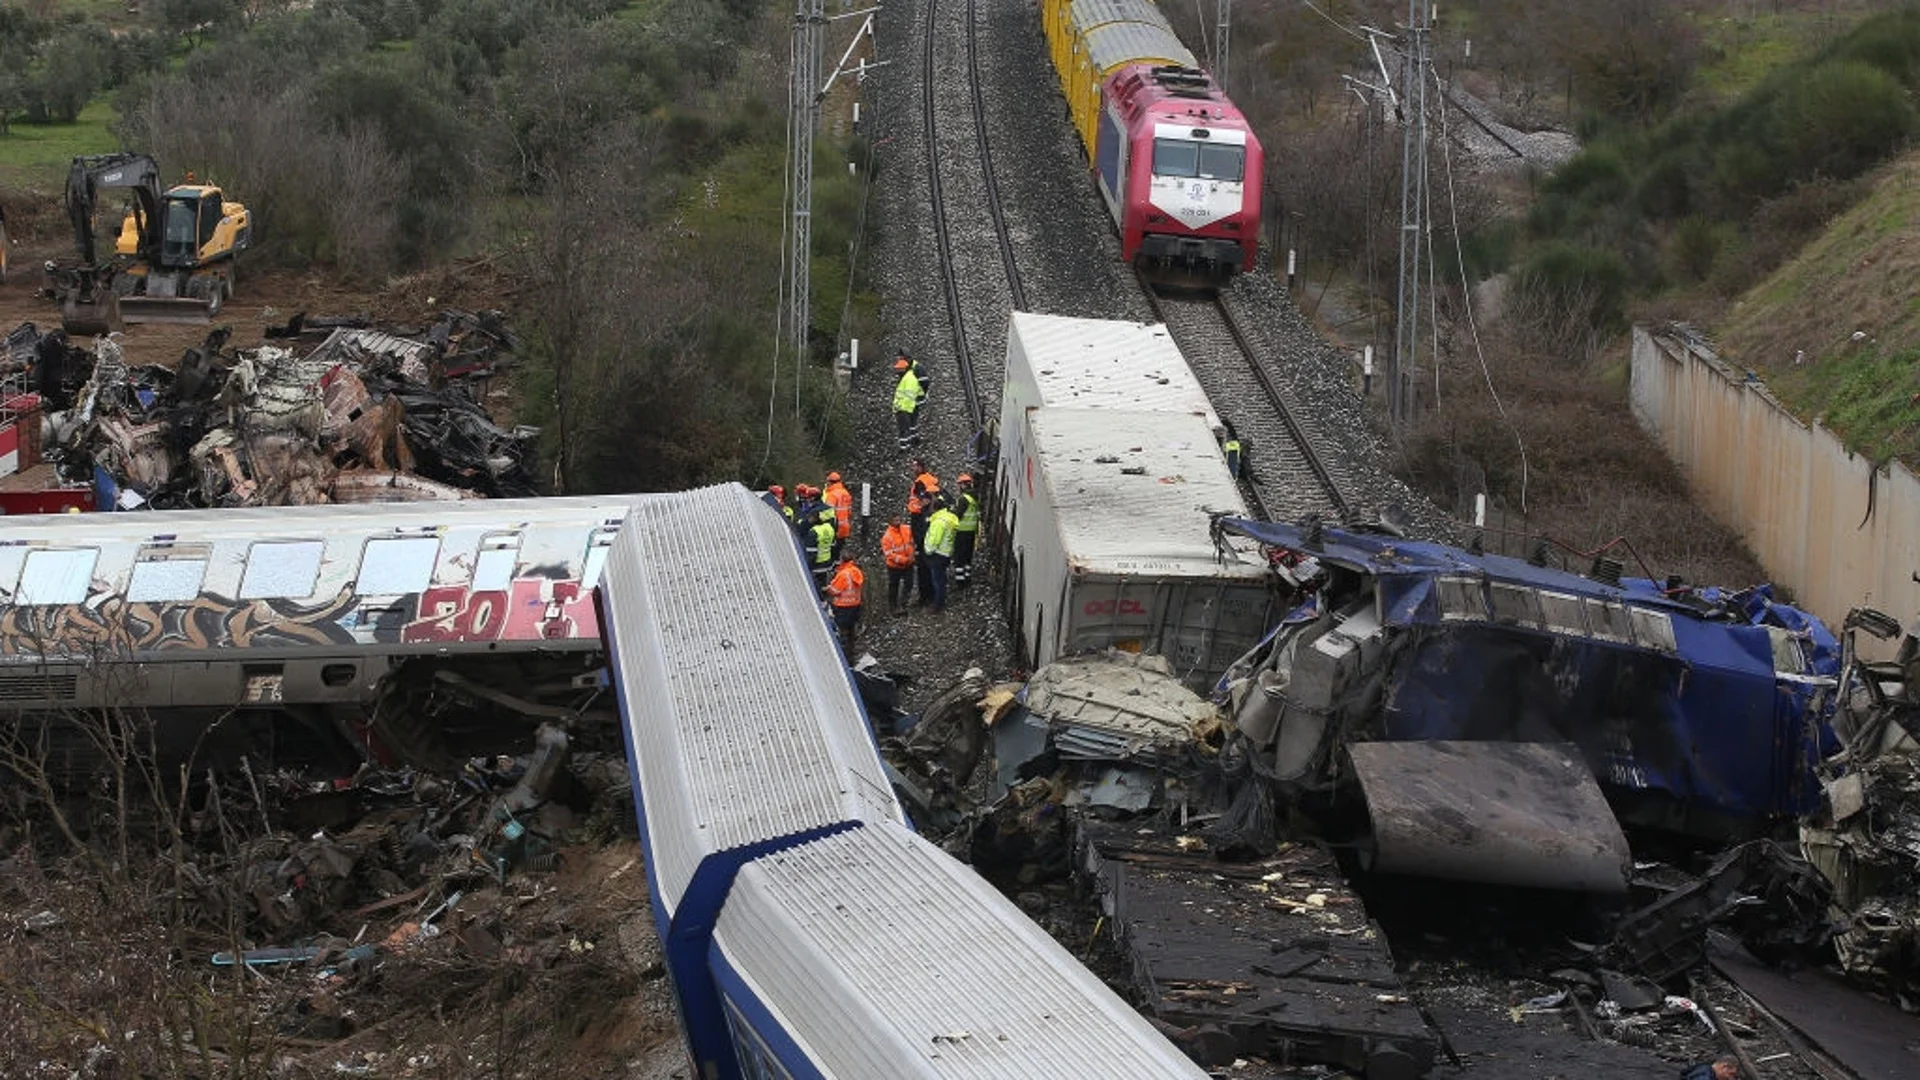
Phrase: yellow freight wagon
x=1088 y=39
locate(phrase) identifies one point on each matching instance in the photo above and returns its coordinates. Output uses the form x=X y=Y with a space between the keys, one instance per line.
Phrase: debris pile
x=358 y=908
x=330 y=410
x=1867 y=842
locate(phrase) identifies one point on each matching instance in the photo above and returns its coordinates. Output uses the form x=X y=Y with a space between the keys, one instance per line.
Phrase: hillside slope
x=1836 y=330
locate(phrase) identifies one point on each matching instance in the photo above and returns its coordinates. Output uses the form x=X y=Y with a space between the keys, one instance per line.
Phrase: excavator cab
x=197 y=225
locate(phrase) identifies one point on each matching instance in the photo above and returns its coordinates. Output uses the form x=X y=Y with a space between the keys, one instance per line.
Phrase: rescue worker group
x=933 y=539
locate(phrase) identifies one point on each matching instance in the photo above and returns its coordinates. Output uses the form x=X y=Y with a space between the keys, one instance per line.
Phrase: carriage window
x=164 y=575
x=499 y=558
x=56 y=577
x=397 y=566
x=281 y=570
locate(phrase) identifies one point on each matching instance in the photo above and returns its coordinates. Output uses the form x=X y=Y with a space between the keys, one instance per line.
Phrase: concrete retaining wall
x=1821 y=519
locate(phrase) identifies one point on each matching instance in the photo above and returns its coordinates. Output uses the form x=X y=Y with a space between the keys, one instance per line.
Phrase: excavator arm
x=135 y=172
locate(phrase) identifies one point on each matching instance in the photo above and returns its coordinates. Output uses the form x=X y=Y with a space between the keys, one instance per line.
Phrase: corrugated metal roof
x=1151 y=520
x=758 y=737
x=886 y=959
x=1108 y=364
x=1086 y=14
x=1118 y=44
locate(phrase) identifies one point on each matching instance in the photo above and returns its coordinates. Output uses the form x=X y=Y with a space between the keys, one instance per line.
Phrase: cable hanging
x=1459 y=252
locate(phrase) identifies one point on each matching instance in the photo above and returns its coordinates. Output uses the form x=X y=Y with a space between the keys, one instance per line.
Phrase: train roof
x=143 y=526
x=1106 y=364
x=1115 y=45
x=1132 y=492
x=741 y=719
x=883 y=958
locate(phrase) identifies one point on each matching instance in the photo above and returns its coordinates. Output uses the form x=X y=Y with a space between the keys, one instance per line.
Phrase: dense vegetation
x=1718 y=136
x=618 y=163
x=1716 y=197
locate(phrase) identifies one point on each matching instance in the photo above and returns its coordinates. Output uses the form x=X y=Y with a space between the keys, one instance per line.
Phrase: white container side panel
x=1040 y=568
x=1131 y=493
x=886 y=959
x=743 y=721
x=1058 y=361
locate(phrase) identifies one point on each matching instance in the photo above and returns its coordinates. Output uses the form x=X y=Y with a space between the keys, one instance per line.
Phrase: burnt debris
x=331 y=409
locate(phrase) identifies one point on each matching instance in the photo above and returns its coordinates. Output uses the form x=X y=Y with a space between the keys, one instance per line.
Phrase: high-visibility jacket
x=847 y=586
x=969 y=513
x=841 y=500
x=897 y=545
x=822 y=543
x=940 y=530
x=906 y=393
x=920 y=495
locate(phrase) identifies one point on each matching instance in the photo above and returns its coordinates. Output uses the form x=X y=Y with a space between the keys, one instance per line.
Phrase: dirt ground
x=264 y=297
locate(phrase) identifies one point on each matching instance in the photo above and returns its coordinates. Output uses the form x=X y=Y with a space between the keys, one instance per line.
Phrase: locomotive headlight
x=1202 y=133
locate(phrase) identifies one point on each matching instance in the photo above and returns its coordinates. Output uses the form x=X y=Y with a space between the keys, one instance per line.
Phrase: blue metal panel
x=1108 y=154
x=1705 y=719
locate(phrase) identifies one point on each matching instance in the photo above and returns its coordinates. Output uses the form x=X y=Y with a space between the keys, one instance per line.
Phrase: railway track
x=1288 y=475
x=975 y=82
x=944 y=238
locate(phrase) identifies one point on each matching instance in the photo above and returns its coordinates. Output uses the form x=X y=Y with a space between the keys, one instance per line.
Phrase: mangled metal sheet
x=274 y=425
x=1505 y=813
x=351 y=346
x=1693 y=705
x=1274 y=959
x=1118 y=706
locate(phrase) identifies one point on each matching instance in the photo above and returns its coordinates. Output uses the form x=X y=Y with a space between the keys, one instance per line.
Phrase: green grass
x=1855 y=277
x=38 y=154
x=1741 y=51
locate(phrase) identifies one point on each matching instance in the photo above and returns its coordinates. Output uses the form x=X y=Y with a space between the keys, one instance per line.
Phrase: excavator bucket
x=88 y=317
x=165 y=309
x=1504 y=813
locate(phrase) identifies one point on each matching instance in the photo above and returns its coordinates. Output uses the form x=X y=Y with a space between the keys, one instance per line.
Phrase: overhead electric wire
x=1331 y=21
x=1459 y=252
x=780 y=291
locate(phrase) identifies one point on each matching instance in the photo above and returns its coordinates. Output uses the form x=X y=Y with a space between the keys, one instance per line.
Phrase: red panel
x=47 y=501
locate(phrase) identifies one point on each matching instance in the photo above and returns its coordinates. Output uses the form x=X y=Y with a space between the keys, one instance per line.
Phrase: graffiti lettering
x=530 y=609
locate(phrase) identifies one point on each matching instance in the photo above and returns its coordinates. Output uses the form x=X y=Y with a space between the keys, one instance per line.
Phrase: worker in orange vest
x=837 y=496
x=898 y=547
x=846 y=592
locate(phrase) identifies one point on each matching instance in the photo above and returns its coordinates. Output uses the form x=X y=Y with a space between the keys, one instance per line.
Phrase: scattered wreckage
x=1866 y=840
x=329 y=411
x=1442 y=713
x=1501 y=719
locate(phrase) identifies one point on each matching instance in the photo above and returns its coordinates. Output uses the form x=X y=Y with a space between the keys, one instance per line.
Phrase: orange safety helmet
x=778 y=491
x=965 y=478
x=833 y=478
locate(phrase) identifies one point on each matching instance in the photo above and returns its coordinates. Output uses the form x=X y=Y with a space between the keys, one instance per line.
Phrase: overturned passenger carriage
x=406 y=631
x=1476 y=701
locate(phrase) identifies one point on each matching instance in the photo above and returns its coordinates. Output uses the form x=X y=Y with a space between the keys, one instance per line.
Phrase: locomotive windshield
x=1204 y=160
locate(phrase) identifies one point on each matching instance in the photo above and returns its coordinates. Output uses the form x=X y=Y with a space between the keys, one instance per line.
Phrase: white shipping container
x=1056 y=361
x=1109 y=545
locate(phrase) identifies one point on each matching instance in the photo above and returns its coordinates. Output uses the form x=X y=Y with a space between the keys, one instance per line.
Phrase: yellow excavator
x=174 y=258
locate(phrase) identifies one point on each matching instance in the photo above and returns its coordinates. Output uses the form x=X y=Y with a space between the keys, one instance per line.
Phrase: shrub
x=1840 y=118
x=1571 y=285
